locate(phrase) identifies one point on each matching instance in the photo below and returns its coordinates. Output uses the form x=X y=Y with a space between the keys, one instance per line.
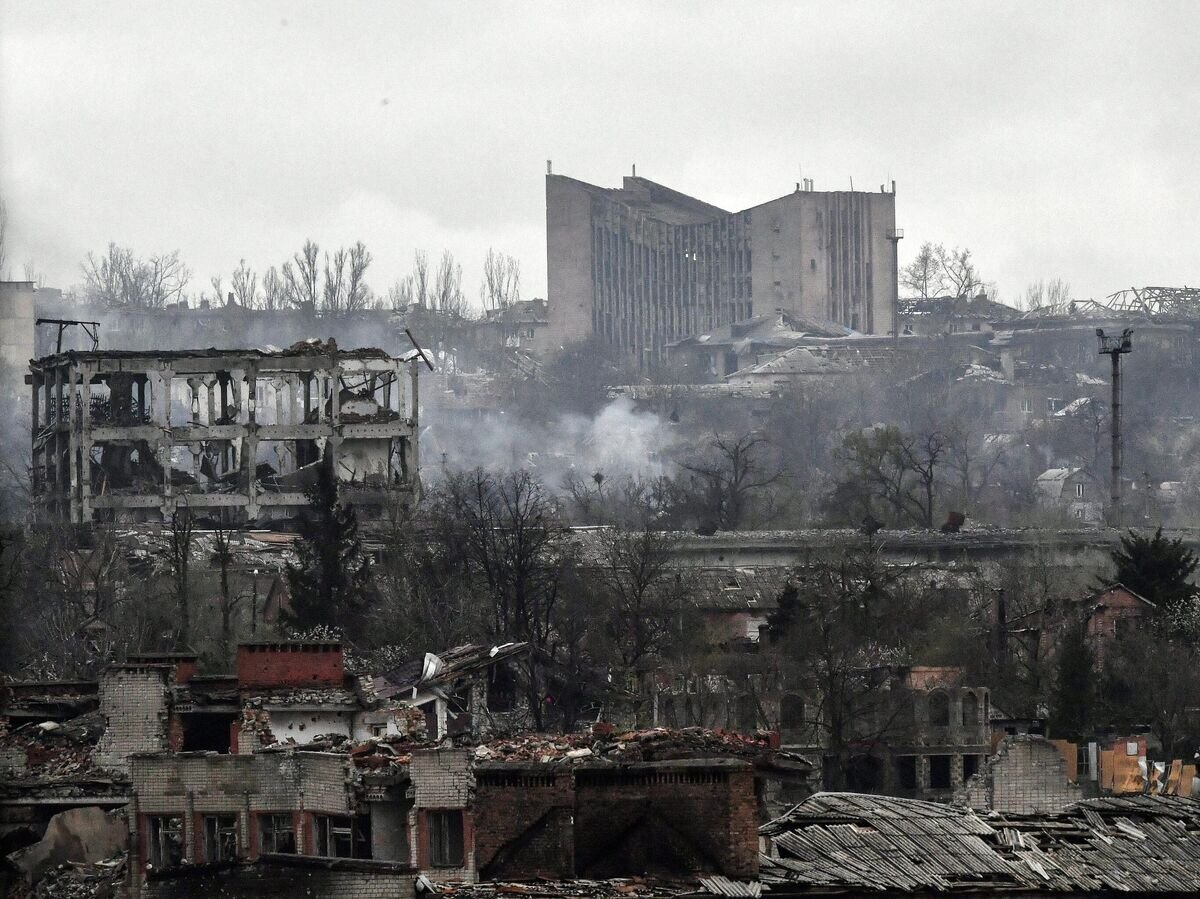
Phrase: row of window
x=335 y=837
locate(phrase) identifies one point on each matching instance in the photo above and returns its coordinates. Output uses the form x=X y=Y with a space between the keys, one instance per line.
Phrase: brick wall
x=524 y=822
x=288 y=877
x=266 y=781
x=1026 y=775
x=442 y=779
x=666 y=818
x=289 y=664
x=133 y=701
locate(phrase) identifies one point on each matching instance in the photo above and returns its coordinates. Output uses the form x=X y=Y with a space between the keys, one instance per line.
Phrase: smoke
x=619 y=440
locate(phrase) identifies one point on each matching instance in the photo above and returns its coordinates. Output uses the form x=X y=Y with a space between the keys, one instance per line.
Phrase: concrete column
x=85 y=449
x=190 y=839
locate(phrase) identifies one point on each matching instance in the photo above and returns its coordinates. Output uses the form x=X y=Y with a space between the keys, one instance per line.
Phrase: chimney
x=549 y=167
x=635 y=170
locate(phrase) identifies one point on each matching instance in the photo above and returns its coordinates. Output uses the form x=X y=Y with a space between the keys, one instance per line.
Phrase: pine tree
x=329 y=584
x=1158 y=569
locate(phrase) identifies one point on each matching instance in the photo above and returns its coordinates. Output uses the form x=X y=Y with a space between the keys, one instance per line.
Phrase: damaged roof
x=837 y=843
x=442 y=668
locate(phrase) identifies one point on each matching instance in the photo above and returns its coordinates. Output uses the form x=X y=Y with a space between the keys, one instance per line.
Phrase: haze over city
x=1060 y=147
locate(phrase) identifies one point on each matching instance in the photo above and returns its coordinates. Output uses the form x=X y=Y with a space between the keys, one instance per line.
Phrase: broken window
x=445 y=838
x=970 y=766
x=206 y=732
x=276 y=833
x=906 y=772
x=220 y=838
x=939 y=772
x=502 y=689
x=939 y=709
x=166 y=842
x=970 y=710
x=335 y=837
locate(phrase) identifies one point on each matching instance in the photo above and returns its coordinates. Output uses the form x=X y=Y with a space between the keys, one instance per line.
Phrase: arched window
x=939 y=709
x=970 y=710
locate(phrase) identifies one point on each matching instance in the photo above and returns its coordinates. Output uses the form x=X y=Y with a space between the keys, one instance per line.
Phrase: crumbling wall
x=133 y=701
x=1027 y=775
x=666 y=818
x=288 y=877
x=290 y=664
x=267 y=781
x=524 y=823
x=442 y=779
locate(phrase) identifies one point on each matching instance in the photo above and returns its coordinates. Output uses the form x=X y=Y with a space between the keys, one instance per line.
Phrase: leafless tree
x=333 y=295
x=300 y=276
x=400 y=294
x=958 y=271
x=448 y=297
x=120 y=279
x=218 y=291
x=274 y=290
x=245 y=286
x=732 y=474
x=923 y=276
x=358 y=295
x=420 y=278
x=501 y=285
x=1040 y=293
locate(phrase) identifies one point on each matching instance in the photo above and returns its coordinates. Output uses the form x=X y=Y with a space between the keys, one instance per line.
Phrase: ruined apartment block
x=135 y=435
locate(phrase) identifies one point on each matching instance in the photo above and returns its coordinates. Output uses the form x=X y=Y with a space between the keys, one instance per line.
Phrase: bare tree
x=218 y=290
x=420 y=278
x=448 y=297
x=120 y=279
x=300 y=275
x=958 y=271
x=732 y=474
x=333 y=295
x=358 y=295
x=1040 y=293
x=275 y=291
x=400 y=294
x=501 y=285
x=923 y=276
x=245 y=286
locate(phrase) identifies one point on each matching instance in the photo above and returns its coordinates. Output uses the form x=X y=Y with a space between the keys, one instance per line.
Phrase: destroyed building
x=643 y=265
x=123 y=435
x=837 y=844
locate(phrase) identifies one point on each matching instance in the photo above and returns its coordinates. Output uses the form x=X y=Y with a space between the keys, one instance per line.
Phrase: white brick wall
x=133 y=702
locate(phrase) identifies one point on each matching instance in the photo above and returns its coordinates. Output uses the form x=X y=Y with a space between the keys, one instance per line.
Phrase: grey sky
x=1055 y=140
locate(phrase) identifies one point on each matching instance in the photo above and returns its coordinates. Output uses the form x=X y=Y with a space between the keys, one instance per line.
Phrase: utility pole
x=1116 y=347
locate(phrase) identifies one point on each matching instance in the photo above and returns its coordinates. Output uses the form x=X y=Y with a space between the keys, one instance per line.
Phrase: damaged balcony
x=236 y=431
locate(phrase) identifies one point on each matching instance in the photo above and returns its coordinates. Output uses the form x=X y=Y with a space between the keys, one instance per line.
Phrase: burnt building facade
x=125 y=435
x=642 y=266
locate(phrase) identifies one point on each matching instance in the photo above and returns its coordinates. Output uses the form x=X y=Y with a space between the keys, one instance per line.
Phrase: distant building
x=952 y=315
x=643 y=265
x=1074 y=491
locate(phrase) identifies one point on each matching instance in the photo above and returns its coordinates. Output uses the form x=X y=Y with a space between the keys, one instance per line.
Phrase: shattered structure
x=851 y=844
x=136 y=435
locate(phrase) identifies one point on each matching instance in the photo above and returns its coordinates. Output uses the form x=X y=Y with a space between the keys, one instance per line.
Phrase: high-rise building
x=642 y=265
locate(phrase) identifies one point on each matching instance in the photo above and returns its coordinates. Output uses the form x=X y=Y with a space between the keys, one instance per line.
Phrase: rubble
x=548 y=889
x=659 y=744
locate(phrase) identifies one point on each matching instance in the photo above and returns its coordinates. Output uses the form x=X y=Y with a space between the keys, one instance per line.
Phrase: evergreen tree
x=1158 y=569
x=1074 y=689
x=329 y=583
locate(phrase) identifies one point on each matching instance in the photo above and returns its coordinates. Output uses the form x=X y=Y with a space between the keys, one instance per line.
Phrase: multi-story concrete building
x=642 y=265
x=136 y=435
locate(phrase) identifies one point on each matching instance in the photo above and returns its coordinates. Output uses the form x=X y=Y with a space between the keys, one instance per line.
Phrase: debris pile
x=648 y=888
x=76 y=880
x=659 y=744
x=55 y=750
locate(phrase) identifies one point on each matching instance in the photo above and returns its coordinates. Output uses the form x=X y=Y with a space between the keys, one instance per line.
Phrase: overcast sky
x=1054 y=140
